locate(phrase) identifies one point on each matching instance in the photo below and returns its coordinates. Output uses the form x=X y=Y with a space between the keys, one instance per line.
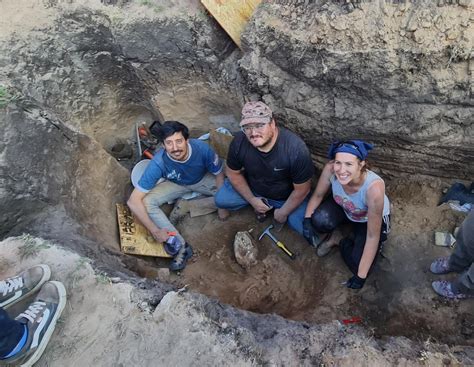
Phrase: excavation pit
x=397 y=299
x=79 y=78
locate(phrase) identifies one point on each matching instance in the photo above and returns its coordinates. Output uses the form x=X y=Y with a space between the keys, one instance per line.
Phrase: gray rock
x=245 y=250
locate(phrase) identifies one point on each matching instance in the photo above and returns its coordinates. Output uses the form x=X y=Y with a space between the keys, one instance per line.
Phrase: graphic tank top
x=355 y=205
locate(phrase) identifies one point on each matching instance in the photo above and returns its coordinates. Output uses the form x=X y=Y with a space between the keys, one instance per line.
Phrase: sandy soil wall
x=399 y=74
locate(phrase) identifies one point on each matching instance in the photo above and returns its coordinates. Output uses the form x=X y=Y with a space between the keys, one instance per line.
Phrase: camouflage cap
x=255 y=112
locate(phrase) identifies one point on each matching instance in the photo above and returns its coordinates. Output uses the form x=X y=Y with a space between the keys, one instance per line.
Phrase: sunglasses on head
x=348 y=144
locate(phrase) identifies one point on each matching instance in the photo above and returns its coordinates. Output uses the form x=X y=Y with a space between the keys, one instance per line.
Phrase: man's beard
x=265 y=143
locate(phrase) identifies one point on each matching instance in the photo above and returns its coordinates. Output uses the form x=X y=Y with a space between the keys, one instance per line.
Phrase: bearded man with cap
x=268 y=167
x=358 y=197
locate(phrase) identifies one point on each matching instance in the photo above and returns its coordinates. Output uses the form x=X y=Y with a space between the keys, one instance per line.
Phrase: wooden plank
x=134 y=237
x=220 y=143
x=232 y=15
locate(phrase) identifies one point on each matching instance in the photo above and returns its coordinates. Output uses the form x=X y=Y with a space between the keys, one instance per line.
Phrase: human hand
x=309 y=234
x=355 y=282
x=280 y=216
x=259 y=205
x=160 y=235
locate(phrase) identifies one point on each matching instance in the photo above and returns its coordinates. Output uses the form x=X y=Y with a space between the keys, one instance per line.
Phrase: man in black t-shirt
x=267 y=167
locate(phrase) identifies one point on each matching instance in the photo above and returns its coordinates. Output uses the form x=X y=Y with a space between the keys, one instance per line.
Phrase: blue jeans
x=11 y=332
x=228 y=198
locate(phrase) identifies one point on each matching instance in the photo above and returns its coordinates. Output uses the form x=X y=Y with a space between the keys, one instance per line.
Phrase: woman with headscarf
x=358 y=197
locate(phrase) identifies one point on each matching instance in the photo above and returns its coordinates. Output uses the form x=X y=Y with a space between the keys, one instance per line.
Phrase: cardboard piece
x=134 y=237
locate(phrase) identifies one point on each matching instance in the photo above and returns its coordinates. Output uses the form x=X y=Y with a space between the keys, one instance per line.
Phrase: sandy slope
x=102 y=326
x=109 y=324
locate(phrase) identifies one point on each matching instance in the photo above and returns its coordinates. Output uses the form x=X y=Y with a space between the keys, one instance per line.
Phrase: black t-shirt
x=272 y=174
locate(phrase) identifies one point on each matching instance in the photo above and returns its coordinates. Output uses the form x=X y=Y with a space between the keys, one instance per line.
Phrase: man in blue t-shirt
x=268 y=167
x=184 y=165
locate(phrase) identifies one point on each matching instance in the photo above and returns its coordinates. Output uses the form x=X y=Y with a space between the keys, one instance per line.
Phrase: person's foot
x=331 y=240
x=440 y=266
x=15 y=289
x=446 y=289
x=40 y=320
x=179 y=261
x=223 y=214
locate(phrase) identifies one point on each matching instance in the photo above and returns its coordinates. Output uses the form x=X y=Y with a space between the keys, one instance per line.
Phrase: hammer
x=278 y=243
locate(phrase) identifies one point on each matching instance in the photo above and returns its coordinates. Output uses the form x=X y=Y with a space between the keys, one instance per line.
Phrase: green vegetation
x=102 y=278
x=7 y=95
x=77 y=274
x=4 y=96
x=31 y=247
x=151 y=4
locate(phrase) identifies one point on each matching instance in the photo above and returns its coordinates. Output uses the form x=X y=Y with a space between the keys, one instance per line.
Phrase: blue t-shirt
x=201 y=159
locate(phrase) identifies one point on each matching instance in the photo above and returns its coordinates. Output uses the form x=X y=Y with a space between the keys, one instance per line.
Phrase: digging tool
x=278 y=243
x=139 y=146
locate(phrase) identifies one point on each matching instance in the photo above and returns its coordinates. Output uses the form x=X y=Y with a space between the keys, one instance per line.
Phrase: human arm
x=220 y=179
x=375 y=200
x=322 y=188
x=240 y=184
x=136 y=205
x=300 y=191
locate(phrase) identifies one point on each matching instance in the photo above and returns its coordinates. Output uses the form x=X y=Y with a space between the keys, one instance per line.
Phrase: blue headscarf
x=358 y=148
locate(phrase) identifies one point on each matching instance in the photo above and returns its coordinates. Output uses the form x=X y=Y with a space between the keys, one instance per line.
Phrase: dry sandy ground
x=109 y=324
x=103 y=324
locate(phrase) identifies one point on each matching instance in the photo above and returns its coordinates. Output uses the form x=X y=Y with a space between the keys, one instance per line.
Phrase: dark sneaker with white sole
x=179 y=261
x=446 y=289
x=15 y=289
x=40 y=320
x=440 y=266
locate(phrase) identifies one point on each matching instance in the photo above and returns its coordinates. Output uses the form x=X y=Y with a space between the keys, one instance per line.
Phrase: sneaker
x=40 y=319
x=440 y=266
x=328 y=243
x=13 y=290
x=445 y=289
x=179 y=261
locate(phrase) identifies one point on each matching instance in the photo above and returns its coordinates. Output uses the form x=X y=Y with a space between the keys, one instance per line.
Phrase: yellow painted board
x=232 y=15
x=134 y=237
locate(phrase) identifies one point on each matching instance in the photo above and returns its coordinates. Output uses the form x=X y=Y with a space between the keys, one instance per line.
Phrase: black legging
x=328 y=216
x=11 y=332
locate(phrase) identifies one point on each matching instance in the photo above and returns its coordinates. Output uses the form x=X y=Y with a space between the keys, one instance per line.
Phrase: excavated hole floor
x=397 y=299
